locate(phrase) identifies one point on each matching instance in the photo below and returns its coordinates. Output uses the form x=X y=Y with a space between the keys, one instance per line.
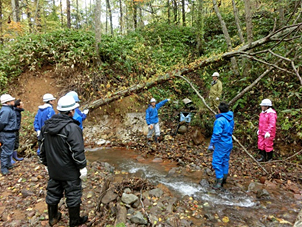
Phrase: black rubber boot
x=74 y=217
x=218 y=184
x=156 y=139
x=262 y=154
x=225 y=176
x=269 y=156
x=53 y=214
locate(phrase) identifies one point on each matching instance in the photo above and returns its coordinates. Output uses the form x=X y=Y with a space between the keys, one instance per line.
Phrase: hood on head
x=228 y=115
x=55 y=124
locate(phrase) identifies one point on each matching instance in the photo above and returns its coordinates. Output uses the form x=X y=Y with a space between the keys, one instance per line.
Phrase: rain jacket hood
x=45 y=106
x=54 y=125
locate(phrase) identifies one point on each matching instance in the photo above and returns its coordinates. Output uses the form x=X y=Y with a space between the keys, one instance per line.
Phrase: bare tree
x=68 y=14
x=168 y=11
x=200 y=28
x=15 y=10
x=226 y=36
x=237 y=21
x=248 y=20
x=61 y=12
x=97 y=21
x=134 y=14
x=110 y=16
x=121 y=16
x=183 y=12
x=175 y=11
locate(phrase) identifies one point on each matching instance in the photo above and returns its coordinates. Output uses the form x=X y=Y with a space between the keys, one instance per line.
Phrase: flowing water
x=233 y=203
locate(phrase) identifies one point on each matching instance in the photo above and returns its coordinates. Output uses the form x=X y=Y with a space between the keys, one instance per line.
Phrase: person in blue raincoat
x=152 y=118
x=8 y=128
x=78 y=115
x=45 y=112
x=222 y=143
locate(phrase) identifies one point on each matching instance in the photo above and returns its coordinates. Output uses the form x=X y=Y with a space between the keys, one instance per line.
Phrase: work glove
x=267 y=135
x=46 y=168
x=83 y=173
x=38 y=133
x=211 y=148
x=168 y=100
x=151 y=126
x=86 y=111
x=258 y=132
x=217 y=98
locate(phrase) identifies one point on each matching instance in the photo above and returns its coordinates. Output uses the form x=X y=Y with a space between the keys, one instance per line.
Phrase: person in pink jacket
x=267 y=130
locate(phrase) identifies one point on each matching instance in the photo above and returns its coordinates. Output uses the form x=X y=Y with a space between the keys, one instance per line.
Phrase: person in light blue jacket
x=78 y=115
x=222 y=143
x=152 y=118
x=44 y=113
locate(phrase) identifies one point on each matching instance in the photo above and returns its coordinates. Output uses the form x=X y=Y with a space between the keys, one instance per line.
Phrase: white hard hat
x=67 y=103
x=153 y=100
x=266 y=102
x=74 y=95
x=48 y=97
x=6 y=98
x=215 y=74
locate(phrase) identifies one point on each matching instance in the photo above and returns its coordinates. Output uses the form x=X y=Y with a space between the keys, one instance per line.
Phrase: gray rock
x=26 y=193
x=138 y=218
x=185 y=223
x=157 y=160
x=109 y=197
x=157 y=192
x=129 y=198
x=204 y=183
x=173 y=221
x=182 y=129
x=136 y=204
x=262 y=193
x=254 y=187
x=127 y=190
x=15 y=223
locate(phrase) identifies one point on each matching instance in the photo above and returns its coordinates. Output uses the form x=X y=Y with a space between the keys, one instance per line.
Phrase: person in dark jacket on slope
x=18 y=109
x=62 y=151
x=152 y=118
x=222 y=143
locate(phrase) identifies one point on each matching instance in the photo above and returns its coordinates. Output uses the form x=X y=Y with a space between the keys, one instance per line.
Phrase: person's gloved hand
x=211 y=148
x=258 y=132
x=86 y=111
x=168 y=100
x=267 y=135
x=217 y=98
x=38 y=133
x=151 y=126
x=83 y=173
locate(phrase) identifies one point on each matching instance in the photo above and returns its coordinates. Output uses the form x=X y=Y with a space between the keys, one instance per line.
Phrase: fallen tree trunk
x=199 y=63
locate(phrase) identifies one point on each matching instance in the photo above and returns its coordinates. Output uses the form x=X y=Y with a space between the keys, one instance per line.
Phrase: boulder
x=138 y=218
x=254 y=187
x=182 y=129
x=262 y=193
x=157 y=192
x=129 y=198
x=109 y=197
x=197 y=137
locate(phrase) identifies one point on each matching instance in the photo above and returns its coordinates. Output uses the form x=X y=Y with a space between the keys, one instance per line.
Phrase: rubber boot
x=53 y=214
x=156 y=139
x=74 y=217
x=12 y=160
x=262 y=154
x=269 y=156
x=15 y=156
x=225 y=176
x=218 y=183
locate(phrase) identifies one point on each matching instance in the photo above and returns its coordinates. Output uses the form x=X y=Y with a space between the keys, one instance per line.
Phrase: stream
x=223 y=202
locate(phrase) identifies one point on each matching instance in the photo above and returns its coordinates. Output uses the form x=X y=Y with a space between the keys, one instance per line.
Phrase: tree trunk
x=281 y=13
x=193 y=11
x=175 y=11
x=237 y=21
x=97 y=21
x=68 y=13
x=134 y=14
x=199 y=63
x=183 y=13
x=110 y=16
x=37 y=16
x=77 y=16
x=61 y=12
x=226 y=36
x=28 y=14
x=106 y=22
x=200 y=28
x=15 y=10
x=121 y=16
x=168 y=9
x=248 y=20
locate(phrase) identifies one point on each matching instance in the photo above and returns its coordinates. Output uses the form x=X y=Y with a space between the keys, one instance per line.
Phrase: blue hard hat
x=74 y=95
